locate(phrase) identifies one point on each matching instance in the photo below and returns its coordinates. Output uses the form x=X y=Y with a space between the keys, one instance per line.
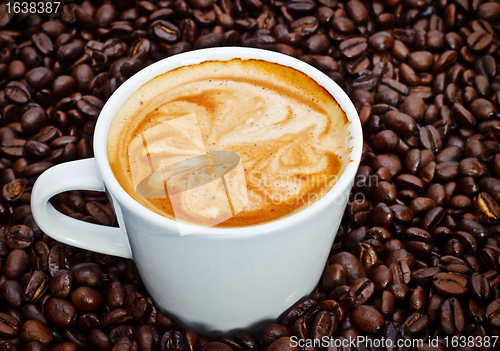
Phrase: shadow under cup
x=221 y=279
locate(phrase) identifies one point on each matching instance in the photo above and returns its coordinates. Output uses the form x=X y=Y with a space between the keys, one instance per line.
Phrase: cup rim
x=223 y=54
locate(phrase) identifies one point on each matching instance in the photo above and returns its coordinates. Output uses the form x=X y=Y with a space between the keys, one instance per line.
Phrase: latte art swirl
x=290 y=134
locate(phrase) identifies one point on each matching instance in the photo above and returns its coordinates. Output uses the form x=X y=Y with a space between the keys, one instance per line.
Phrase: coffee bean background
x=418 y=252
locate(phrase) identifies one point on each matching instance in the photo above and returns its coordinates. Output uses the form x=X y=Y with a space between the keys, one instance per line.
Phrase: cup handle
x=75 y=175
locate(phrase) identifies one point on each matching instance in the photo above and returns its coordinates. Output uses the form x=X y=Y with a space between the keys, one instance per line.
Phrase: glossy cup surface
x=224 y=279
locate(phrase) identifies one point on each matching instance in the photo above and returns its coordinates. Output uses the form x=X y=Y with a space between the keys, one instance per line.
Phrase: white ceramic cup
x=216 y=279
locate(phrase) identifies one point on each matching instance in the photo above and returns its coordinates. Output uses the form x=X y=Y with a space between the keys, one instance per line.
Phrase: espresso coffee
x=229 y=143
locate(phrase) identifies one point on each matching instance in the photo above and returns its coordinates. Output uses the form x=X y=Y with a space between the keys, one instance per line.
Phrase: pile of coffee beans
x=417 y=254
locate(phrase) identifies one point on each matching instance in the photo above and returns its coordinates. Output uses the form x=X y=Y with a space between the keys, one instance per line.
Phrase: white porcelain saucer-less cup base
x=214 y=279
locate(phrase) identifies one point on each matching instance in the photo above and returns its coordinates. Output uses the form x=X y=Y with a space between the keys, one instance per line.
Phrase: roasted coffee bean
x=366 y=254
x=367 y=319
x=343 y=24
x=39 y=253
x=90 y=106
x=40 y=78
x=385 y=141
x=16 y=264
x=32 y=311
x=363 y=288
x=273 y=332
x=433 y=310
x=164 y=31
x=412 y=160
x=60 y=257
x=33 y=119
x=387 y=303
x=213 y=40
x=37 y=148
x=401 y=292
x=99 y=340
x=353 y=48
x=244 y=338
x=472 y=167
x=81 y=76
x=401 y=213
x=400 y=123
x=492 y=312
x=16 y=70
x=409 y=182
x=88 y=274
x=402 y=258
x=391 y=162
x=421 y=205
x=146 y=338
x=43 y=43
x=115 y=317
x=297 y=311
x=100 y=213
x=76 y=337
x=68 y=53
x=450 y=284
x=47 y=134
x=452 y=317
x=486 y=208
x=125 y=344
x=322 y=325
x=382 y=277
x=11 y=291
x=353 y=267
x=87 y=299
x=479 y=41
x=60 y=312
x=449 y=154
x=468 y=186
x=430 y=138
x=462 y=115
x=454 y=248
x=393 y=245
x=418 y=299
x=137 y=305
x=420 y=61
x=38 y=168
x=304 y=26
x=13 y=148
x=9 y=325
x=418 y=234
x=174 y=339
x=432 y=218
x=19 y=237
x=357 y=11
x=36 y=286
x=416 y=323
x=482 y=109
x=33 y=330
x=358 y=212
x=17 y=92
x=468 y=241
x=87 y=321
x=381 y=215
x=60 y=285
x=479 y=286
x=333 y=277
x=345 y=296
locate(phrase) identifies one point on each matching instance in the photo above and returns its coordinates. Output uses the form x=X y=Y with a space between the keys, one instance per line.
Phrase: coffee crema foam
x=289 y=132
